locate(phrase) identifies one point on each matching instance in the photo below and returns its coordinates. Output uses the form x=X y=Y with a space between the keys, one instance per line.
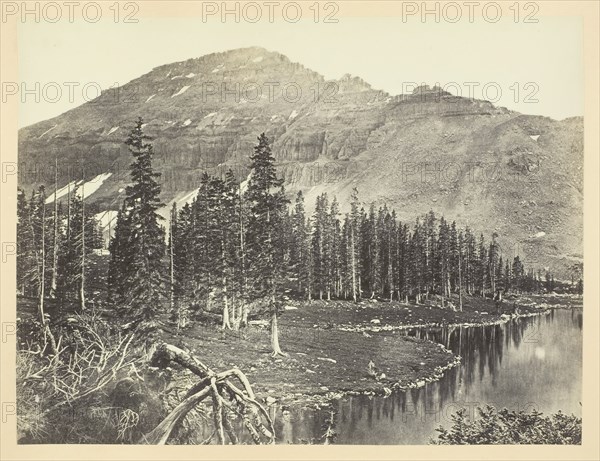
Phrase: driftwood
x=226 y=396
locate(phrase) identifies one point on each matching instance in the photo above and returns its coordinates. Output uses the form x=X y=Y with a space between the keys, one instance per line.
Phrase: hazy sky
x=386 y=52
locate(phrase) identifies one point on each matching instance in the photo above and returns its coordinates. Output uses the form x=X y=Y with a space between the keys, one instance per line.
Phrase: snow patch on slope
x=181 y=91
x=112 y=130
x=186 y=198
x=107 y=220
x=293 y=115
x=148 y=100
x=180 y=199
x=63 y=191
x=106 y=217
x=89 y=187
x=187 y=122
x=47 y=131
x=94 y=184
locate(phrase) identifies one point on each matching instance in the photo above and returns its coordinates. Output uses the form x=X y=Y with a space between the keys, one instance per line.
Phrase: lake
x=527 y=363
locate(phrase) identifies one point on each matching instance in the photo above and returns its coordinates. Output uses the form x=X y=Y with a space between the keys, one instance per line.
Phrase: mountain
x=491 y=168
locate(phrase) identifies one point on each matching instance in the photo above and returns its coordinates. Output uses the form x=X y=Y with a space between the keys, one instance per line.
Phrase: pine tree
x=318 y=244
x=507 y=277
x=72 y=261
x=345 y=258
x=120 y=257
x=232 y=229
x=369 y=252
x=453 y=257
x=26 y=258
x=55 y=241
x=203 y=252
x=354 y=245
x=141 y=264
x=334 y=230
x=493 y=263
x=518 y=273
x=242 y=257
x=470 y=261
x=482 y=266
x=173 y=231
x=403 y=258
x=419 y=272
x=391 y=231
x=430 y=263
x=461 y=264
x=182 y=263
x=38 y=225
x=83 y=248
x=300 y=247
x=37 y=217
x=442 y=260
x=266 y=201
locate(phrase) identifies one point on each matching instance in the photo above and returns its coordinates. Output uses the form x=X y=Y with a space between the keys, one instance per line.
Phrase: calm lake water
x=529 y=363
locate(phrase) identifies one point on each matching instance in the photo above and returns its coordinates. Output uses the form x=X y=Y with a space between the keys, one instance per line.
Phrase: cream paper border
x=589 y=450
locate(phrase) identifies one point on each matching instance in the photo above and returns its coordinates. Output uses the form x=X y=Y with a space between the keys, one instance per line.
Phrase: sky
x=531 y=68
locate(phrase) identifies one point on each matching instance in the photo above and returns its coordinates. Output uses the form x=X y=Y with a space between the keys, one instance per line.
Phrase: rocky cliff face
x=488 y=167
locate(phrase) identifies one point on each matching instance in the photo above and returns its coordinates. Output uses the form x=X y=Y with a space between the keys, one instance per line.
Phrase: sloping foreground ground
x=325 y=361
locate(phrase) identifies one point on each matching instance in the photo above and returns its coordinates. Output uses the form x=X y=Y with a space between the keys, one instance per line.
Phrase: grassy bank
x=321 y=363
x=374 y=315
x=330 y=344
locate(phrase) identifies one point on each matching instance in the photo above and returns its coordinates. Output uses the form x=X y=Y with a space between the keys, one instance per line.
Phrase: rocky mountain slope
x=489 y=167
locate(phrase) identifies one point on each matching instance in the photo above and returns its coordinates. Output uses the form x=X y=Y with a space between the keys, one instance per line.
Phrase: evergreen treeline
x=231 y=247
x=326 y=256
x=53 y=242
x=373 y=254
x=237 y=246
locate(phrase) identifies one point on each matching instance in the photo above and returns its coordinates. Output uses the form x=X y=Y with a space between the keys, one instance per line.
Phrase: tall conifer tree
x=139 y=238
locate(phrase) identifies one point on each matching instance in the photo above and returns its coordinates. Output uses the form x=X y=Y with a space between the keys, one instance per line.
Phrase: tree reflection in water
x=528 y=361
x=493 y=357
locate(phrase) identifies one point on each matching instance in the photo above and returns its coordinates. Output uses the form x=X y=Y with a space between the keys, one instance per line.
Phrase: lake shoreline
x=329 y=345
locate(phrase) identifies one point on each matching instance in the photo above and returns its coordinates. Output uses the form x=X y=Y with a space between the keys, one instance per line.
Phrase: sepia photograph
x=309 y=223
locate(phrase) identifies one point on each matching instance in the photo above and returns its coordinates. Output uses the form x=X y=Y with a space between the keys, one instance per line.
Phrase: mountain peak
x=352 y=83
x=248 y=62
x=252 y=53
x=205 y=113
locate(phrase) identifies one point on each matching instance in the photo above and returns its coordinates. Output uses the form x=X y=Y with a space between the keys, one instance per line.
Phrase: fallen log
x=160 y=434
x=225 y=396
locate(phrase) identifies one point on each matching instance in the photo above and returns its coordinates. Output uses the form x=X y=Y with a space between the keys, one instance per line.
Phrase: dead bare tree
x=88 y=361
x=82 y=286
x=55 y=219
x=41 y=275
x=330 y=434
x=225 y=396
